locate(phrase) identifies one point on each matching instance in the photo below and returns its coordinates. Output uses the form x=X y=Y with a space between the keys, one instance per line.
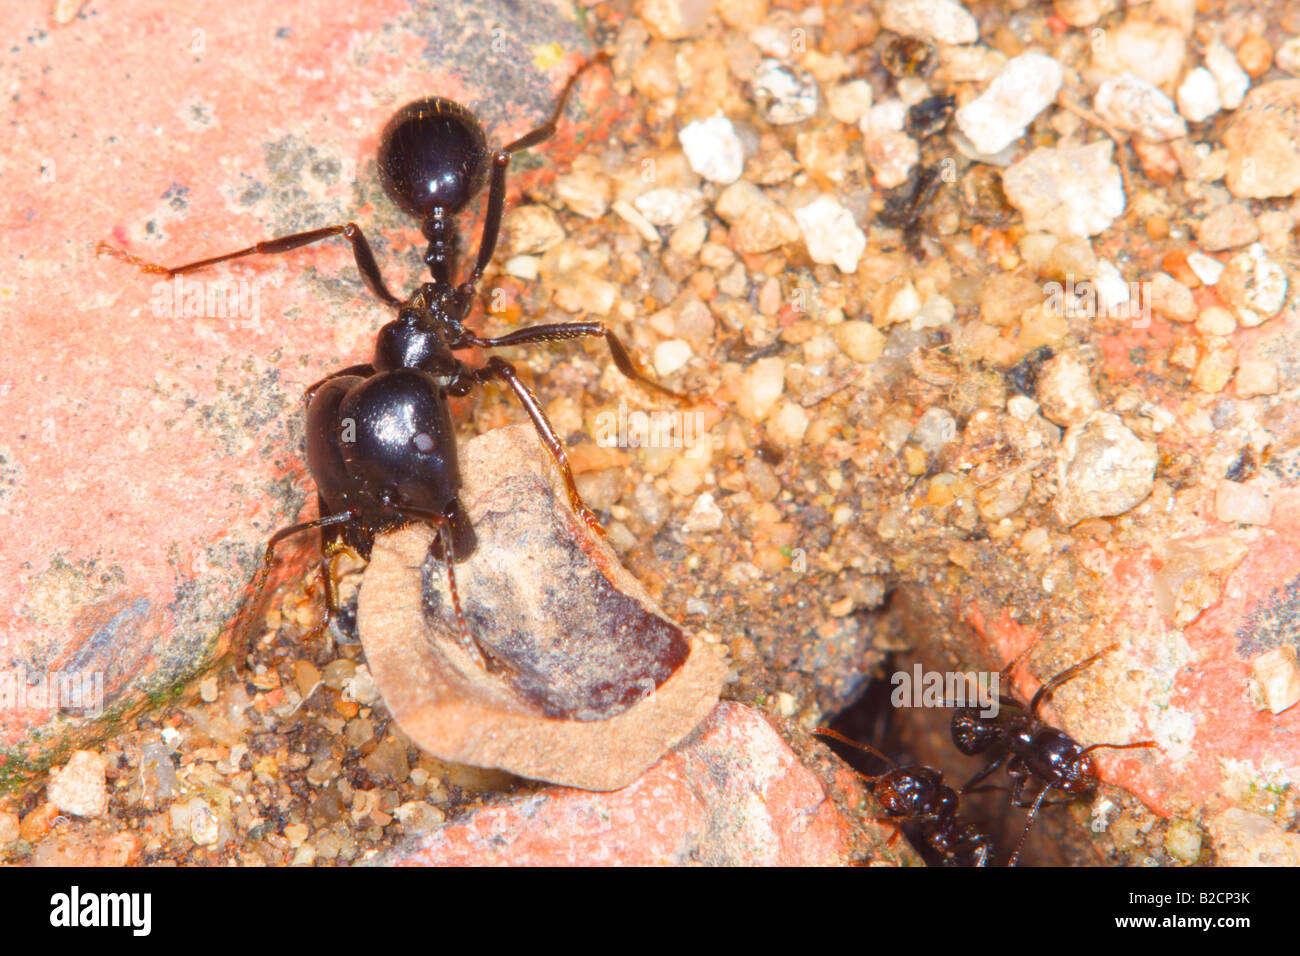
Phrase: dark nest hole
x=921 y=735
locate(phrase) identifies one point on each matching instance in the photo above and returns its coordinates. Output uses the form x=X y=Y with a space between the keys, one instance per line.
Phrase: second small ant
x=917 y=795
x=1030 y=748
x=380 y=441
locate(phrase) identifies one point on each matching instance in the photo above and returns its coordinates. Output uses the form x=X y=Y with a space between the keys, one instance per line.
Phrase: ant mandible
x=380 y=442
x=914 y=794
x=1030 y=748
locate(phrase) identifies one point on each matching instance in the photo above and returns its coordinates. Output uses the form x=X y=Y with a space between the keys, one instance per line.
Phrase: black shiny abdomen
x=432 y=155
x=380 y=444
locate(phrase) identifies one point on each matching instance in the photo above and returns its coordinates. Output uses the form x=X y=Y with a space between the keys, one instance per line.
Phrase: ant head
x=1080 y=775
x=1059 y=756
x=433 y=155
x=973 y=733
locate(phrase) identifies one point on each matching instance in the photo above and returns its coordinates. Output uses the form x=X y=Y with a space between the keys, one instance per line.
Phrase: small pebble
x=1172 y=299
x=1135 y=106
x=205 y=826
x=671 y=356
x=1198 y=95
x=9 y=831
x=1112 y=288
x=1065 y=390
x=1275 y=679
x=1022 y=407
x=1103 y=470
x=942 y=21
x=1263 y=142
x=208 y=688
x=1288 y=56
x=1083 y=13
x=1256 y=377
x=713 y=149
x=669 y=207
x=935 y=429
x=849 y=102
x=1067 y=191
x=1183 y=841
x=1255 y=54
x=527 y=268
x=79 y=786
x=788 y=425
x=891 y=156
x=1216 y=361
x=1149 y=50
x=1227 y=227
x=1237 y=502
x=860 y=341
x=761 y=387
x=1232 y=79
x=758 y=224
x=585 y=193
x=1254 y=285
x=705 y=515
x=1216 y=320
x=416 y=816
x=831 y=234
x=1207 y=269
x=675 y=19
x=532 y=229
x=784 y=95
x=632 y=216
x=1026 y=86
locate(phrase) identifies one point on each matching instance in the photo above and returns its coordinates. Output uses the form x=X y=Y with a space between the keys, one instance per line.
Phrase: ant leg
x=866 y=748
x=547 y=129
x=1144 y=743
x=574 y=330
x=501 y=162
x=344 y=623
x=1045 y=691
x=268 y=558
x=987 y=771
x=497 y=368
x=445 y=538
x=365 y=259
x=1029 y=822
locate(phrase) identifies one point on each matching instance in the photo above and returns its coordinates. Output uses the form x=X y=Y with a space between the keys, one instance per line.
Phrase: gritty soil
x=831 y=521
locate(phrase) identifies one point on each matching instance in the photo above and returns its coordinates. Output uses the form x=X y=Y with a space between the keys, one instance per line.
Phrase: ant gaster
x=1029 y=747
x=917 y=795
x=380 y=441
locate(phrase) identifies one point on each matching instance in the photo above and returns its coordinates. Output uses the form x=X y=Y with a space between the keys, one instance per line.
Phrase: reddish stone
x=732 y=794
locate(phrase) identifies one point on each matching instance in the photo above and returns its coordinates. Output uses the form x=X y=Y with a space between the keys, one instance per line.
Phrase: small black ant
x=1030 y=748
x=380 y=441
x=917 y=795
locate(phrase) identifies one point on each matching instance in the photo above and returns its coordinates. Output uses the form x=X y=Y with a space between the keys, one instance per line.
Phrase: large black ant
x=380 y=441
x=1029 y=747
x=917 y=795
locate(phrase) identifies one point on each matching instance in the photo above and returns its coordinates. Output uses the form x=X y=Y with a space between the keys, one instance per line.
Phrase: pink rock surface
x=150 y=451
x=1182 y=676
x=732 y=794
